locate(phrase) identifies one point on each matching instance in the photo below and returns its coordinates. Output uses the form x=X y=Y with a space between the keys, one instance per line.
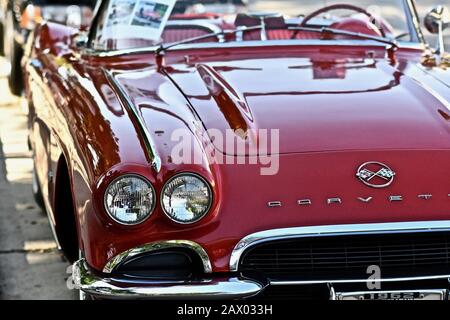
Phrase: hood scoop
x=231 y=104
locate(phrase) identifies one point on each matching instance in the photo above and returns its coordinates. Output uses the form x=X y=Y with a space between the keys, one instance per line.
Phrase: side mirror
x=81 y=40
x=436 y=21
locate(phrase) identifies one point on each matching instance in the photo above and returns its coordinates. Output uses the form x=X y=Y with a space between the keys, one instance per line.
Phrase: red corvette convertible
x=257 y=149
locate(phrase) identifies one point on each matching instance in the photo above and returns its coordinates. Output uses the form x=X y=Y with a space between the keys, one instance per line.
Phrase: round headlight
x=186 y=198
x=130 y=200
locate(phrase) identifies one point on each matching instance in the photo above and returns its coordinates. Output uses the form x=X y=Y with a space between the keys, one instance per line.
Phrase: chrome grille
x=342 y=257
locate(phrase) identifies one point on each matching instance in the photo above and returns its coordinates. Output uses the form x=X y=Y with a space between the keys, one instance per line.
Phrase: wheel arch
x=64 y=209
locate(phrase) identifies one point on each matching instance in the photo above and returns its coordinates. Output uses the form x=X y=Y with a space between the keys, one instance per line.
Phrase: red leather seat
x=280 y=34
x=287 y=34
x=169 y=35
x=180 y=34
x=194 y=16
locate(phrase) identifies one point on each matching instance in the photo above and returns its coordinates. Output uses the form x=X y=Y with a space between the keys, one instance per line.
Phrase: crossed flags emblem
x=383 y=173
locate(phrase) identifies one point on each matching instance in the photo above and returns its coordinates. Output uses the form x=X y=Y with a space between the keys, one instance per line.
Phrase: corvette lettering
x=339 y=201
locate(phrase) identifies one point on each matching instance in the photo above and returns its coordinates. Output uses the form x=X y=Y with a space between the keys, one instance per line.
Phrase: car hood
x=335 y=112
x=317 y=101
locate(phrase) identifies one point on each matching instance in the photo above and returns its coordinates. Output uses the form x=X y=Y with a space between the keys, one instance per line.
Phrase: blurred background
x=387 y=8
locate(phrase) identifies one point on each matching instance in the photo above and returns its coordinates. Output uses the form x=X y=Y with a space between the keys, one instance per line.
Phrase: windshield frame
x=410 y=9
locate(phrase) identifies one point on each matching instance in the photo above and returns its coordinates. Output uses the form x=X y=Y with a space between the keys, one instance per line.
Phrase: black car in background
x=19 y=17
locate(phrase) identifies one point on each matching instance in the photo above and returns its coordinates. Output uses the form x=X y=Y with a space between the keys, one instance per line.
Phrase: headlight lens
x=186 y=198
x=130 y=200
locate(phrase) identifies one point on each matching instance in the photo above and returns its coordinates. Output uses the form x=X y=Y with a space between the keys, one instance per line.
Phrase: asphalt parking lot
x=30 y=265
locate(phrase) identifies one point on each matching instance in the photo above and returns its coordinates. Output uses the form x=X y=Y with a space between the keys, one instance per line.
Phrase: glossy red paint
x=337 y=106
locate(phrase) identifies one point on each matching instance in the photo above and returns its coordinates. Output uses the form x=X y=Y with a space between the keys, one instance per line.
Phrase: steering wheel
x=338 y=7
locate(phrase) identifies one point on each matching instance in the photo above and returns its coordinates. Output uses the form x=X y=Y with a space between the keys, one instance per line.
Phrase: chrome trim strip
x=334 y=201
x=365 y=200
x=334 y=230
x=150 y=146
x=160 y=245
x=252 y=44
x=213 y=28
x=414 y=21
x=231 y=287
x=274 y=204
x=430 y=89
x=311 y=282
x=395 y=198
x=304 y=202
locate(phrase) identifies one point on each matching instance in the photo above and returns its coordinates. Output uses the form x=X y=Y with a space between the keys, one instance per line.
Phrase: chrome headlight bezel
x=124 y=176
x=210 y=200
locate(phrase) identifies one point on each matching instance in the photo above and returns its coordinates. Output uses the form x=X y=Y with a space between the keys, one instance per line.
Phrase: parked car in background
x=146 y=196
x=19 y=18
x=3 y=6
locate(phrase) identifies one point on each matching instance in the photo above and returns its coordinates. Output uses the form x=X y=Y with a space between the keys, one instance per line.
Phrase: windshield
x=126 y=24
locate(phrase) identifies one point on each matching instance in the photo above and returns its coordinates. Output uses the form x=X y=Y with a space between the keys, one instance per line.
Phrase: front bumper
x=433 y=284
x=240 y=287
x=229 y=288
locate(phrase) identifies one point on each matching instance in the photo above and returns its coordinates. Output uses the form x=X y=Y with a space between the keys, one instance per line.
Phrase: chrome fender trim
x=160 y=245
x=334 y=230
x=143 y=132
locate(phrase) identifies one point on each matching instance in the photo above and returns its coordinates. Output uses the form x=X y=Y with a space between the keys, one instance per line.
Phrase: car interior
x=186 y=22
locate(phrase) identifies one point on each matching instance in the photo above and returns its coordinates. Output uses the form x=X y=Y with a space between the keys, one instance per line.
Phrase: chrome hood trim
x=154 y=158
x=334 y=230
